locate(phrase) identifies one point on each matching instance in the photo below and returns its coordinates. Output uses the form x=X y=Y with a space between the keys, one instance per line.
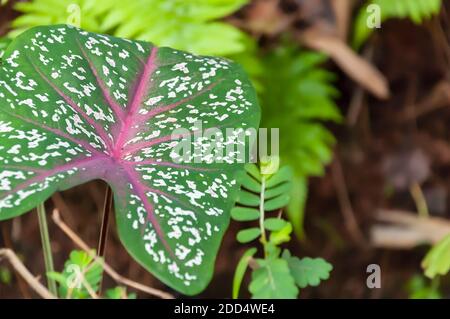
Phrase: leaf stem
x=419 y=200
x=104 y=228
x=261 y=214
x=46 y=247
x=105 y=222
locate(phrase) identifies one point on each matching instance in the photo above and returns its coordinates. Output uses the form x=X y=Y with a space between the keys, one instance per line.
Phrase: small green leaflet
x=437 y=261
x=248 y=235
x=420 y=287
x=274 y=224
x=281 y=236
x=77 y=106
x=307 y=271
x=272 y=280
x=240 y=271
x=80 y=270
x=119 y=293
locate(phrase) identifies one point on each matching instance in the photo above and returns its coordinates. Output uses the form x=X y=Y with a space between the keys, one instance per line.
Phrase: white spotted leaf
x=77 y=106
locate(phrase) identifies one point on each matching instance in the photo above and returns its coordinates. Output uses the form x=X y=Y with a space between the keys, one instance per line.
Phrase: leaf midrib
x=135 y=103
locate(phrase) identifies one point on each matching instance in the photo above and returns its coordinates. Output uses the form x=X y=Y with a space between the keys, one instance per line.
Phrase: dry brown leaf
x=405 y=230
x=356 y=67
x=438 y=98
x=265 y=17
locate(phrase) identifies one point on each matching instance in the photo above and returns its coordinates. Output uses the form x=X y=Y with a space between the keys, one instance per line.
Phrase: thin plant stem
x=110 y=271
x=261 y=214
x=46 y=247
x=105 y=222
x=419 y=200
x=104 y=228
x=15 y=262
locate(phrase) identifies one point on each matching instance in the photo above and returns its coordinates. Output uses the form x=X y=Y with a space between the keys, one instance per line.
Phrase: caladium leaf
x=77 y=106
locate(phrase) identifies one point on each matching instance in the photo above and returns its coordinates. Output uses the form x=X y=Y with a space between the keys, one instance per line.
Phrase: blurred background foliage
x=185 y=25
x=296 y=93
x=299 y=54
x=414 y=10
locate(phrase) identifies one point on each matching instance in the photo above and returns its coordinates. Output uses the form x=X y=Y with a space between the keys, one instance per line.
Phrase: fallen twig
x=358 y=97
x=438 y=98
x=23 y=287
x=352 y=64
x=405 y=230
x=25 y=273
x=345 y=204
x=110 y=271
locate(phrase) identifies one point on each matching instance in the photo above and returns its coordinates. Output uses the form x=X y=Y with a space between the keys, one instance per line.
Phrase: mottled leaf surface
x=77 y=106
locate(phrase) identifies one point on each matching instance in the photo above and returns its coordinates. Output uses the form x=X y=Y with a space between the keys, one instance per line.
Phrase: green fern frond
x=415 y=10
x=81 y=276
x=298 y=97
x=43 y=12
x=80 y=270
x=275 y=192
x=192 y=25
x=186 y=25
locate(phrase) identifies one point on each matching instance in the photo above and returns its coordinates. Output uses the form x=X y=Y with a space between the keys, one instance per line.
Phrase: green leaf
x=251 y=184
x=307 y=271
x=299 y=95
x=273 y=280
x=79 y=270
x=437 y=260
x=78 y=106
x=5 y=276
x=281 y=176
x=420 y=288
x=281 y=236
x=251 y=62
x=119 y=293
x=247 y=198
x=253 y=171
x=274 y=224
x=243 y=214
x=277 y=202
x=269 y=165
x=240 y=271
x=184 y=25
x=248 y=235
x=296 y=207
x=278 y=190
x=415 y=10
x=272 y=250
